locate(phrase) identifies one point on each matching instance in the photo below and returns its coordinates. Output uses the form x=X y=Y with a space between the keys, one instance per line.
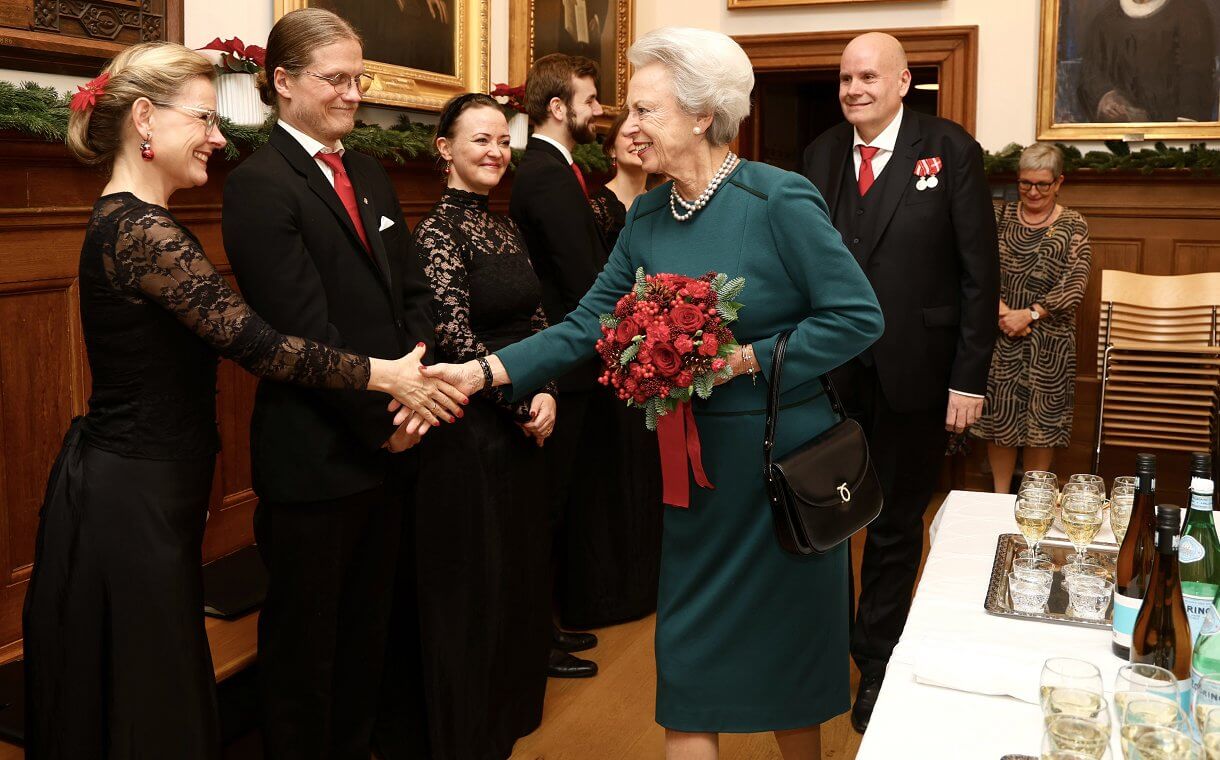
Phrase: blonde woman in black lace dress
x=1044 y=269
x=483 y=538
x=116 y=657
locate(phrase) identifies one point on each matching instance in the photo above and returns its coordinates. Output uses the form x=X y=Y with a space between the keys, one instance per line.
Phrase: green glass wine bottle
x=1199 y=549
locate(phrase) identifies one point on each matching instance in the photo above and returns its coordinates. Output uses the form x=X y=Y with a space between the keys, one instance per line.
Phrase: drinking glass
x=1206 y=700
x=1028 y=594
x=1034 y=516
x=1088 y=737
x=1089 y=601
x=1211 y=735
x=1081 y=518
x=1162 y=743
x=1144 y=713
x=1140 y=679
x=1125 y=481
x=1122 y=500
x=1085 y=477
x=1028 y=568
x=1068 y=673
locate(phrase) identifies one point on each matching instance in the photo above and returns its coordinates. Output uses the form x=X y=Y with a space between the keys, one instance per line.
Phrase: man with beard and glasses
x=550 y=204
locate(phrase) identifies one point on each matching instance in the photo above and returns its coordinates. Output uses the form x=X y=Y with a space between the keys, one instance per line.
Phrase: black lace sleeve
x=154 y=257
x=441 y=251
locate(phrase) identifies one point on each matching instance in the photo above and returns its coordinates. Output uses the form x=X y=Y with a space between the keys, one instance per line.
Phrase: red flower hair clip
x=87 y=95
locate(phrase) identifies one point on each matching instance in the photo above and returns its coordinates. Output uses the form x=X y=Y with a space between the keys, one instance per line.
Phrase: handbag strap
x=777 y=369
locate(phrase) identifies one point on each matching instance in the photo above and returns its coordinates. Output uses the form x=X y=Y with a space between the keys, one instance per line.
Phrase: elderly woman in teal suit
x=749 y=638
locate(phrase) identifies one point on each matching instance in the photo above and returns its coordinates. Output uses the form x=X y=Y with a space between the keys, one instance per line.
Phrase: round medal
x=921 y=184
x=932 y=181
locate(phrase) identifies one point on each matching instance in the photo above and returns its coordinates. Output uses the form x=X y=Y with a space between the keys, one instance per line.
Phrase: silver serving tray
x=1056 y=610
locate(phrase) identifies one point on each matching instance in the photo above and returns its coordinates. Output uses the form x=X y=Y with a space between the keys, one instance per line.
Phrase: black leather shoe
x=564 y=665
x=866 y=699
x=571 y=641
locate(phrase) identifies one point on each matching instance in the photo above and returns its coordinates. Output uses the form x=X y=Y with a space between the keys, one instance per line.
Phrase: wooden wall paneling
x=1193 y=258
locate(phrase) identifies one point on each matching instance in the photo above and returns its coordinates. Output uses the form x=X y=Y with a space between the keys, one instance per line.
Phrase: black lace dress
x=116 y=657
x=483 y=540
x=610 y=214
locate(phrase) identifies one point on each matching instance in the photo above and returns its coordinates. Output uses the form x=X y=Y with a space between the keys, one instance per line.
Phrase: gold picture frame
x=737 y=5
x=406 y=87
x=1067 y=83
x=524 y=39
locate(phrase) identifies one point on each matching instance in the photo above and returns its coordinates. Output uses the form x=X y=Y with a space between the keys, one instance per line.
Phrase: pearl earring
x=698 y=130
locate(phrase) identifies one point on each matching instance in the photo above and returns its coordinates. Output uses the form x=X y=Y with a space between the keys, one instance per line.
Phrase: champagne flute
x=1121 y=501
x=1034 y=517
x=1071 y=733
x=1081 y=521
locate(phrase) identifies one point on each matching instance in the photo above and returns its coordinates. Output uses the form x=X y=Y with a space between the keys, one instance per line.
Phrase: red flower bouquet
x=237 y=57
x=666 y=343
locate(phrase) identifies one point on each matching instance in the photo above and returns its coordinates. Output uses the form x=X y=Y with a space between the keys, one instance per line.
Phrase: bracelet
x=747 y=356
x=483 y=365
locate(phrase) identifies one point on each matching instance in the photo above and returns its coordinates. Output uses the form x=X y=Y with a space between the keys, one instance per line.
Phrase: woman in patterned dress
x=1044 y=264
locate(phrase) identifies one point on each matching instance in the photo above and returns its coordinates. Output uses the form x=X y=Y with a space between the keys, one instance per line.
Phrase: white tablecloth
x=950 y=638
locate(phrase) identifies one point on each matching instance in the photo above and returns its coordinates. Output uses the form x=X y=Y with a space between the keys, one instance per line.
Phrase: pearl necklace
x=726 y=168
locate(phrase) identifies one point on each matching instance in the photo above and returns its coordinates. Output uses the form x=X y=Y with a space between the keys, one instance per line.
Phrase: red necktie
x=866 y=168
x=347 y=194
x=580 y=177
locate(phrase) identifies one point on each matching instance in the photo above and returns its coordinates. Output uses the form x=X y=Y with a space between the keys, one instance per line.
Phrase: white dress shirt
x=312 y=147
x=567 y=154
x=884 y=142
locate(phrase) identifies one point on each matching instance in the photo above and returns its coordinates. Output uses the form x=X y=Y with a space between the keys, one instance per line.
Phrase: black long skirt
x=483 y=549
x=609 y=539
x=116 y=657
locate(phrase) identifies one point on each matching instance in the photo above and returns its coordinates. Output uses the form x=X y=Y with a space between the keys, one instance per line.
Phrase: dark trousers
x=907 y=449
x=322 y=630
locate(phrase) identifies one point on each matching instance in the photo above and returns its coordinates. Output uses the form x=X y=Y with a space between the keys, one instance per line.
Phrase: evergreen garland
x=35 y=110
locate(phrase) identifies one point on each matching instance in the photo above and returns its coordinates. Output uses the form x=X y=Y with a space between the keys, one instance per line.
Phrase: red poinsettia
x=515 y=96
x=238 y=57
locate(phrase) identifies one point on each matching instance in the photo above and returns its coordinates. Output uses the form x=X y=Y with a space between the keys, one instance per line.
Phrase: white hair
x=711 y=74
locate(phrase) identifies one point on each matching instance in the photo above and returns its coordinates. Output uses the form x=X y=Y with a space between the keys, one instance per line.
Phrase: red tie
x=347 y=194
x=580 y=177
x=866 y=168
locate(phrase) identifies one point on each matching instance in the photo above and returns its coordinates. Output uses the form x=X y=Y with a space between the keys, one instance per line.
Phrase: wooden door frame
x=954 y=50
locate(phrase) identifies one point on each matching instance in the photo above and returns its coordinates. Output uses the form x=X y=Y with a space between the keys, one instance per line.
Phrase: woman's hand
x=1004 y=309
x=741 y=361
x=542 y=418
x=1015 y=324
x=432 y=398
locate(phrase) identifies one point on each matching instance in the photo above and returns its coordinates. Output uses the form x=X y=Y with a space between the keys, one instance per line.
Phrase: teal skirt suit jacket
x=748 y=638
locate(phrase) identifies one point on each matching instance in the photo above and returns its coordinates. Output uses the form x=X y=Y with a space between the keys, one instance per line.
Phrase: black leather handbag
x=825 y=490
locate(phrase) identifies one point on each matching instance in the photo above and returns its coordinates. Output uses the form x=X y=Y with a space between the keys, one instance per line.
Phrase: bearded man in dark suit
x=908 y=193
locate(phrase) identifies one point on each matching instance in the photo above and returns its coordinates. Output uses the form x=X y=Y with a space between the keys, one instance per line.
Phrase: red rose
x=626 y=330
x=718 y=364
x=686 y=317
x=666 y=359
x=710 y=345
x=684 y=345
x=684 y=378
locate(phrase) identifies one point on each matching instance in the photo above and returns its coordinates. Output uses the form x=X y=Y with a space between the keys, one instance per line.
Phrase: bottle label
x=1198 y=609
x=1212 y=693
x=1126 y=609
x=1190 y=550
x=1186 y=691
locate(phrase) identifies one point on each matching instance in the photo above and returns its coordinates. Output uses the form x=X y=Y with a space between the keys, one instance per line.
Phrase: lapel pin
x=366 y=201
x=927 y=169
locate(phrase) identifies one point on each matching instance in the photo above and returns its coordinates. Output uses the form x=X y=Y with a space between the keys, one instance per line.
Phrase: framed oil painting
x=1129 y=69
x=420 y=52
x=597 y=29
x=735 y=5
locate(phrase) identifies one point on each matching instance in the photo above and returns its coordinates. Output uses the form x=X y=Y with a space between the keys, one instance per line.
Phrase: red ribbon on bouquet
x=678 y=439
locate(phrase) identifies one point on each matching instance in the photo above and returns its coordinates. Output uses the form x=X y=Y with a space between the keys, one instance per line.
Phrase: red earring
x=146 y=151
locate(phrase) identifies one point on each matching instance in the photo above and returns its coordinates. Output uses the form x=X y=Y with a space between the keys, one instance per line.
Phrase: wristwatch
x=1033 y=314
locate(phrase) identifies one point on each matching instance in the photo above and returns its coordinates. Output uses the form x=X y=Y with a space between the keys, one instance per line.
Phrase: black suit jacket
x=932 y=259
x=564 y=243
x=300 y=264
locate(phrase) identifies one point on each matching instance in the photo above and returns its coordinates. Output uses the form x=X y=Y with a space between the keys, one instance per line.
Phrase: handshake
x=426 y=396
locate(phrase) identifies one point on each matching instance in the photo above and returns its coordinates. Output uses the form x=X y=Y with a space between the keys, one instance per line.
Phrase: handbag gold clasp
x=844 y=493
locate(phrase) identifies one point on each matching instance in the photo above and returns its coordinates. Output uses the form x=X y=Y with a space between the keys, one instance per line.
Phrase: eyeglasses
x=343 y=82
x=1025 y=186
x=210 y=118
